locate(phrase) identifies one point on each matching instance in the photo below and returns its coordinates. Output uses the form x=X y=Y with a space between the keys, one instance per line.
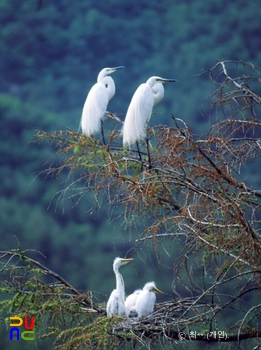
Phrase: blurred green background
x=49 y=59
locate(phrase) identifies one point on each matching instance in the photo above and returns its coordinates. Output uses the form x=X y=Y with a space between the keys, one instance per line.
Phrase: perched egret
x=130 y=302
x=139 y=112
x=96 y=102
x=146 y=299
x=115 y=305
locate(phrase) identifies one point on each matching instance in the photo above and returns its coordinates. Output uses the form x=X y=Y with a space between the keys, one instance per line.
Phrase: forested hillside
x=50 y=56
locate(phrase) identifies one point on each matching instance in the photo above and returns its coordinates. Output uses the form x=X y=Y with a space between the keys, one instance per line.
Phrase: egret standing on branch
x=115 y=305
x=139 y=112
x=96 y=102
x=146 y=299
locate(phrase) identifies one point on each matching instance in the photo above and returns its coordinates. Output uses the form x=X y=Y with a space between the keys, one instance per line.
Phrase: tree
x=193 y=191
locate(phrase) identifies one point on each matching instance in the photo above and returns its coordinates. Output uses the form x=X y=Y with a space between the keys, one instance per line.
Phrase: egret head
x=151 y=287
x=154 y=80
x=118 y=262
x=108 y=71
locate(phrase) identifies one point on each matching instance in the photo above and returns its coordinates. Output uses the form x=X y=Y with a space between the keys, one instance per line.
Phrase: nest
x=168 y=321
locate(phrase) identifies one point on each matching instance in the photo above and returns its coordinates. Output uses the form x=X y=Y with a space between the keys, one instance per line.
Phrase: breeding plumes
x=115 y=304
x=130 y=302
x=96 y=102
x=139 y=112
x=146 y=299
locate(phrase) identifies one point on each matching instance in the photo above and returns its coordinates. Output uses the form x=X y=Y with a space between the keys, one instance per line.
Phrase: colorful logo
x=28 y=323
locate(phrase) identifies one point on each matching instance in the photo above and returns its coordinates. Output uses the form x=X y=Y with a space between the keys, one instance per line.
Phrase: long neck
x=119 y=283
x=108 y=83
x=158 y=92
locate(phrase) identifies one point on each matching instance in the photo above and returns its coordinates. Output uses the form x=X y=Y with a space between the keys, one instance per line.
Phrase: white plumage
x=115 y=304
x=96 y=102
x=139 y=112
x=146 y=299
x=130 y=302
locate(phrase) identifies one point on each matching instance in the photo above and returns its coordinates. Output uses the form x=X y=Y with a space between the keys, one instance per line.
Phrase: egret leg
x=102 y=132
x=148 y=148
x=141 y=161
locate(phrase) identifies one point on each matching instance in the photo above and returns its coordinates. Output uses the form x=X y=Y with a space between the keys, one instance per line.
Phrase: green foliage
x=39 y=292
x=96 y=335
x=63 y=315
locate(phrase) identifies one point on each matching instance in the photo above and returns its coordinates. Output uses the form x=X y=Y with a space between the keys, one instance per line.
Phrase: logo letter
x=16 y=318
x=26 y=337
x=29 y=325
x=17 y=334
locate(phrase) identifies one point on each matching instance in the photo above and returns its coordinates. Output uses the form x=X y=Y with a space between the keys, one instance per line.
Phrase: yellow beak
x=158 y=291
x=126 y=259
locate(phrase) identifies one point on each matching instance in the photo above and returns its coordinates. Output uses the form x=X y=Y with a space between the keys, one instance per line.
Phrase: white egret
x=96 y=102
x=115 y=304
x=139 y=112
x=146 y=299
x=130 y=302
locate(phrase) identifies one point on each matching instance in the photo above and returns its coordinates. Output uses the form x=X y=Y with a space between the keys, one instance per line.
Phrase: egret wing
x=113 y=304
x=145 y=303
x=138 y=114
x=94 y=109
x=130 y=302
